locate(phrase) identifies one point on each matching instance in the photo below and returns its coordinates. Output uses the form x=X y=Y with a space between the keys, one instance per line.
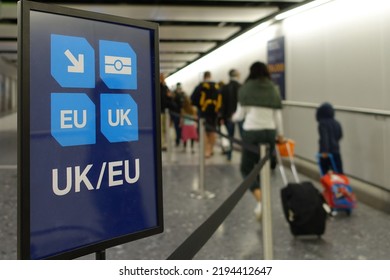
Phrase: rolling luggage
x=303 y=205
x=337 y=190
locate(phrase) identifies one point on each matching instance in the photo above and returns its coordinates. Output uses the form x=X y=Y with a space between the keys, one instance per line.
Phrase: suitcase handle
x=332 y=162
x=292 y=164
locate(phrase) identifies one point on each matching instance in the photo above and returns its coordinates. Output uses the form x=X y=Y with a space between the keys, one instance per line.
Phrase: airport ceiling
x=188 y=29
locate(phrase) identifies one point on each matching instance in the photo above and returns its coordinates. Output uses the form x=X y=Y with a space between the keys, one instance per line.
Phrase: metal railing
x=365 y=111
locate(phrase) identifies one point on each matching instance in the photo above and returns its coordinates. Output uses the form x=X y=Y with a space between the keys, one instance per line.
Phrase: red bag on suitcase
x=337 y=190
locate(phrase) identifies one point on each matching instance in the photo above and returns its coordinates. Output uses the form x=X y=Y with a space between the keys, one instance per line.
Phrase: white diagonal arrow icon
x=77 y=64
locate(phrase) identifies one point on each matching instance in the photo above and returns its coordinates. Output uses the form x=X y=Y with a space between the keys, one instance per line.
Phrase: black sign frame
x=23 y=200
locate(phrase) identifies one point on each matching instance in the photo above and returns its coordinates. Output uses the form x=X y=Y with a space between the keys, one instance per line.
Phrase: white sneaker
x=257 y=211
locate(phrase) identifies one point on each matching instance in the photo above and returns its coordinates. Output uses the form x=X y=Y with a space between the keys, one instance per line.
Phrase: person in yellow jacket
x=207 y=98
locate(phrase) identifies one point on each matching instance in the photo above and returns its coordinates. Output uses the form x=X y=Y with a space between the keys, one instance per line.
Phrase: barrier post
x=201 y=192
x=201 y=155
x=167 y=135
x=266 y=205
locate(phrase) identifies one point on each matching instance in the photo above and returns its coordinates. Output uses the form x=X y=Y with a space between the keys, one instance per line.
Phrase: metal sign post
x=100 y=255
x=201 y=193
x=265 y=175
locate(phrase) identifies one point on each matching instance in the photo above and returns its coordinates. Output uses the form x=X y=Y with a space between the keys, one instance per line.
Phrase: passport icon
x=117 y=65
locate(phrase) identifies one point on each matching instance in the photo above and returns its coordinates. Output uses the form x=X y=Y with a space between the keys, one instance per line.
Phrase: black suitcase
x=303 y=209
x=303 y=205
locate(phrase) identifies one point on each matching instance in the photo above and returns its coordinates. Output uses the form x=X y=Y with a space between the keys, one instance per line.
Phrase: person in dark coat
x=229 y=106
x=166 y=101
x=330 y=133
x=177 y=104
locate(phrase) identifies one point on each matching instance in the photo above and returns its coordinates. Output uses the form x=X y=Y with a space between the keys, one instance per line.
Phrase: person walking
x=330 y=133
x=207 y=98
x=229 y=107
x=188 y=122
x=177 y=103
x=166 y=101
x=259 y=105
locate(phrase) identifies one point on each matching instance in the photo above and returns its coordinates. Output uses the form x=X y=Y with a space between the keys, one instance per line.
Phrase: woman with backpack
x=207 y=98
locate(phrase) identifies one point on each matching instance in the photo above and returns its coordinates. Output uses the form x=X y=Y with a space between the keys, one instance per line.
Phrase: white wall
x=338 y=52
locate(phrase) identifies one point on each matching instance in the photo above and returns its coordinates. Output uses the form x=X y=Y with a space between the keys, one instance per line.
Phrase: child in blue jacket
x=330 y=133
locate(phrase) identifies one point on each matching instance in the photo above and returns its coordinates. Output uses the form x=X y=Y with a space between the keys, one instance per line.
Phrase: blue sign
x=277 y=64
x=73 y=119
x=72 y=65
x=119 y=117
x=118 y=65
x=72 y=61
x=91 y=162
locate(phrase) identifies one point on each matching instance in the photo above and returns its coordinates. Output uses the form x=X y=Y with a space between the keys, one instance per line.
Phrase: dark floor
x=364 y=235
